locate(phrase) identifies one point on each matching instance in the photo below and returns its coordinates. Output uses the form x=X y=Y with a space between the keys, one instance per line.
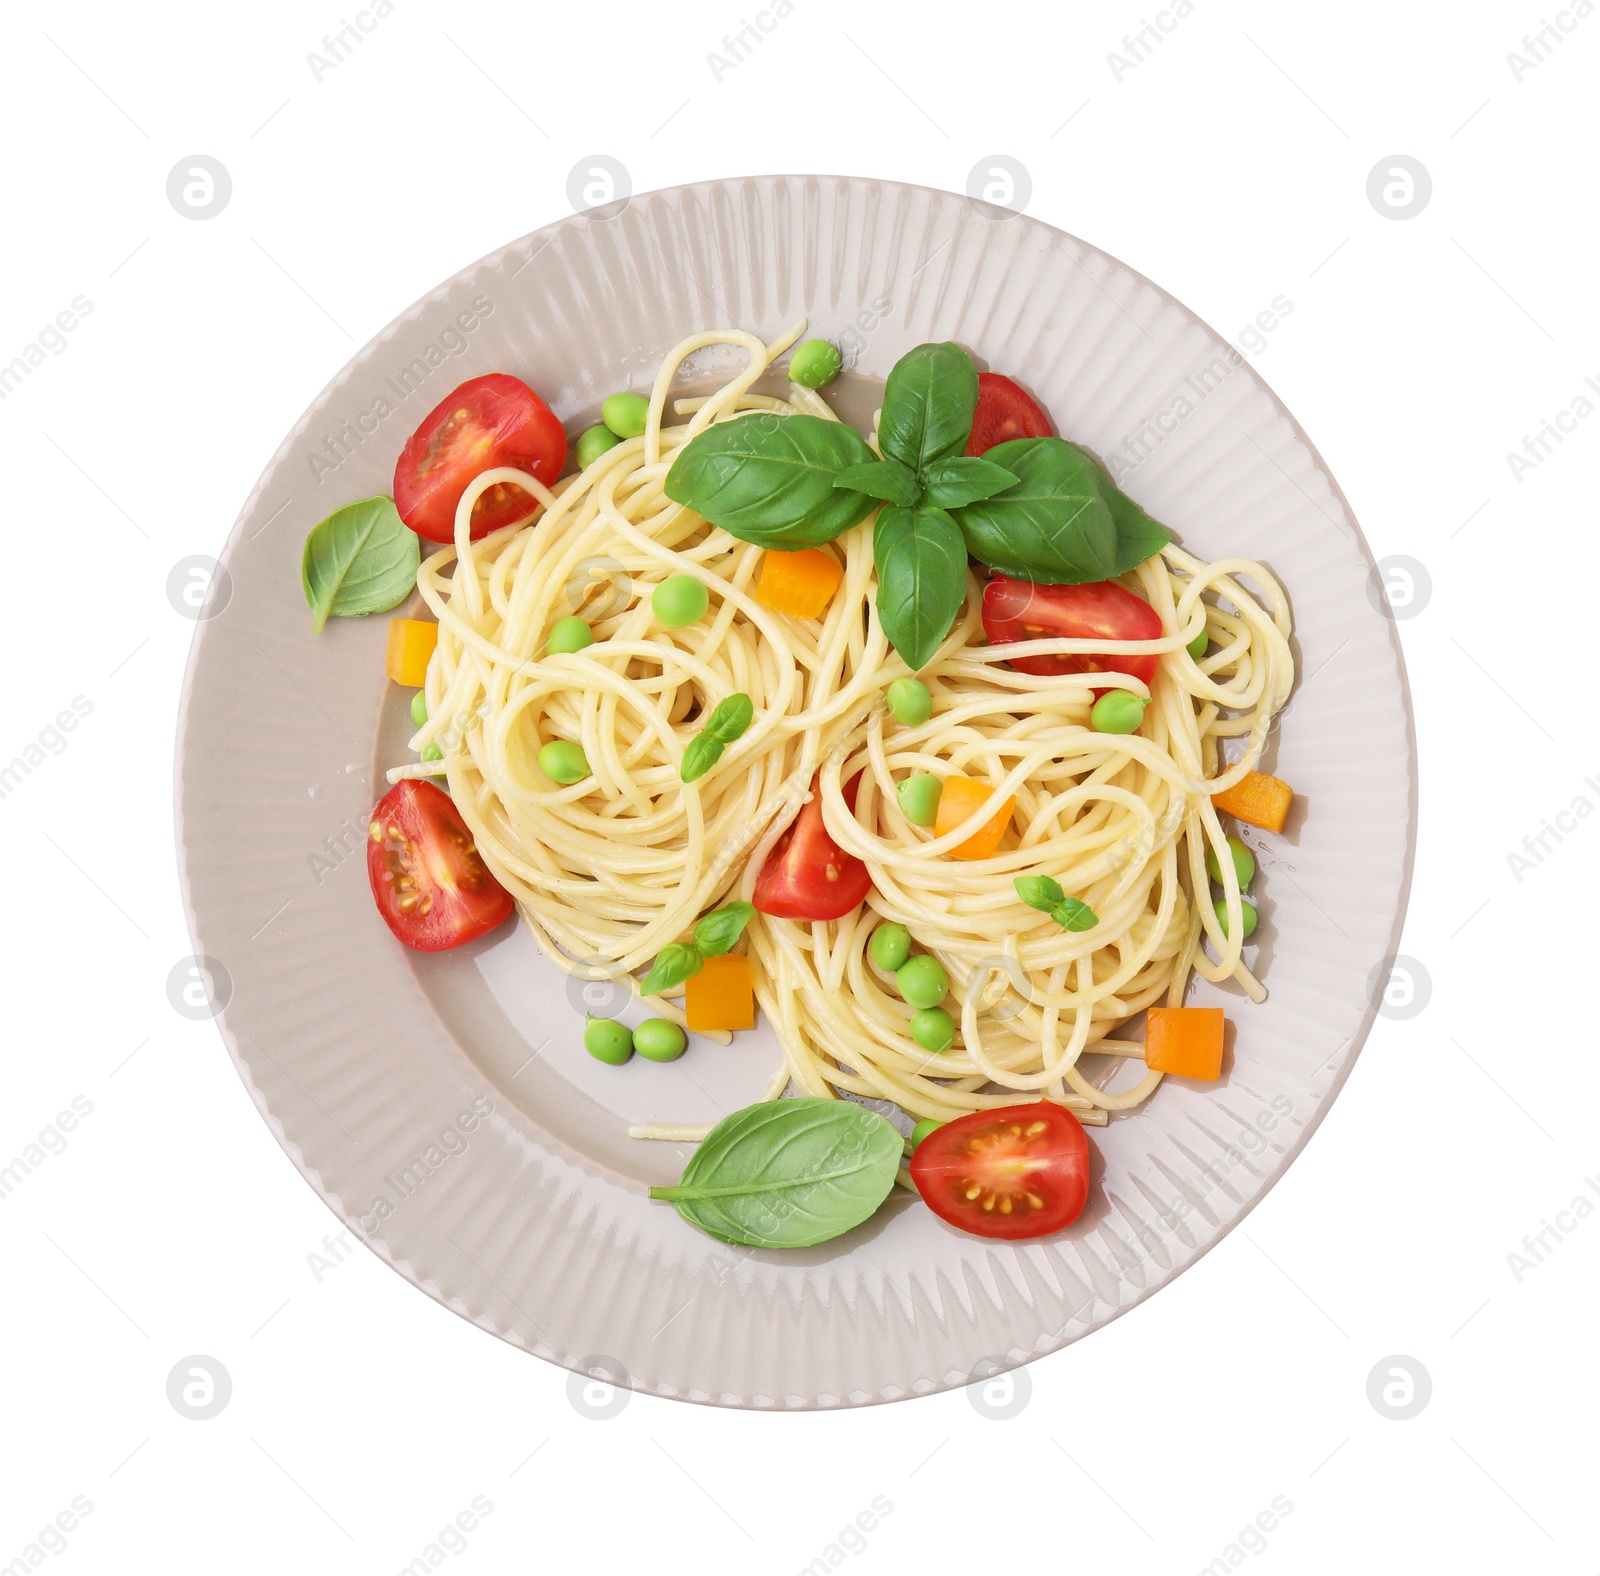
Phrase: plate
x=443 y=1105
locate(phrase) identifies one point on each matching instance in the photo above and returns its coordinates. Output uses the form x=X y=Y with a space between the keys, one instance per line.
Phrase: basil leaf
x=1041 y=892
x=1072 y=913
x=718 y=931
x=361 y=559
x=963 y=479
x=788 y=1173
x=731 y=717
x=673 y=965
x=922 y=579
x=1054 y=524
x=1138 y=536
x=928 y=403
x=886 y=479
x=769 y=479
x=703 y=752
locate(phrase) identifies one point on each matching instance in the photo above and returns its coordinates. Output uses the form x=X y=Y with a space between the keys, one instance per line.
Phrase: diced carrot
x=962 y=796
x=1184 y=1041
x=722 y=995
x=800 y=584
x=411 y=643
x=1261 y=800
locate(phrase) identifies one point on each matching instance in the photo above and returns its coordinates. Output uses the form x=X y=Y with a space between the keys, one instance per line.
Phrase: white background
x=1231 y=166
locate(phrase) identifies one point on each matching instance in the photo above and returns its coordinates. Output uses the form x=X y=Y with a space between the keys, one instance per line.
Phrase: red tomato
x=1004 y=412
x=808 y=875
x=488 y=422
x=1021 y=610
x=1017 y=1171
x=427 y=875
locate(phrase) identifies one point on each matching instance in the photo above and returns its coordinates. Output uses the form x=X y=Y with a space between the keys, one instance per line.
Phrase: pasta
x=609 y=870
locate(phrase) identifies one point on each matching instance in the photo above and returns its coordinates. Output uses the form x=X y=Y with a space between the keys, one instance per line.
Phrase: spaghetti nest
x=609 y=870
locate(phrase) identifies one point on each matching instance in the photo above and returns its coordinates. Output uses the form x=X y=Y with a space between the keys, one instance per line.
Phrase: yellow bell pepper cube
x=722 y=995
x=411 y=643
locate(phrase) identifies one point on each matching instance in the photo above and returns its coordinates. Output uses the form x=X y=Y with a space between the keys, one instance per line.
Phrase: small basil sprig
x=788 y=1173
x=715 y=934
x=361 y=559
x=1044 y=893
x=1039 y=509
x=725 y=724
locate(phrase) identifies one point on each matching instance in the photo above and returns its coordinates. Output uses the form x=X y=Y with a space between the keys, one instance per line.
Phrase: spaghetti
x=609 y=870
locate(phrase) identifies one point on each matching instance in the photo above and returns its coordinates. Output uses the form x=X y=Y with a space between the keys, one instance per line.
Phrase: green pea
x=1197 y=647
x=919 y=799
x=563 y=762
x=933 y=1029
x=1248 y=910
x=568 y=635
x=659 y=1040
x=922 y=1129
x=607 y=1040
x=680 y=600
x=592 y=443
x=921 y=981
x=890 y=946
x=432 y=752
x=1117 y=711
x=910 y=703
x=1244 y=863
x=814 y=363
x=419 y=707
x=625 y=414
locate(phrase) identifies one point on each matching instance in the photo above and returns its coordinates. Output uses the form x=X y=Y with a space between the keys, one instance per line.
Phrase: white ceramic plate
x=444 y=1107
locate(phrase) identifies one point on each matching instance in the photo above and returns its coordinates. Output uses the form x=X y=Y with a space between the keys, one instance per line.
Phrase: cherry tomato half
x=487 y=422
x=1016 y=1171
x=1004 y=412
x=808 y=875
x=427 y=875
x=1021 y=610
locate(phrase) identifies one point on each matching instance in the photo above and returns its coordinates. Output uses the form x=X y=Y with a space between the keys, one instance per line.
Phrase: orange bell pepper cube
x=799 y=584
x=1261 y=800
x=960 y=798
x=1184 y=1041
x=722 y=995
x=411 y=643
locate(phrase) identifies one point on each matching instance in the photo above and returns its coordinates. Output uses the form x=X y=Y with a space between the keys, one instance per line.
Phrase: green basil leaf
x=703 y=752
x=886 y=479
x=1041 y=892
x=788 y=1173
x=769 y=479
x=922 y=579
x=731 y=717
x=718 y=931
x=1138 y=535
x=963 y=479
x=1054 y=523
x=1072 y=913
x=928 y=403
x=673 y=965
x=361 y=559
